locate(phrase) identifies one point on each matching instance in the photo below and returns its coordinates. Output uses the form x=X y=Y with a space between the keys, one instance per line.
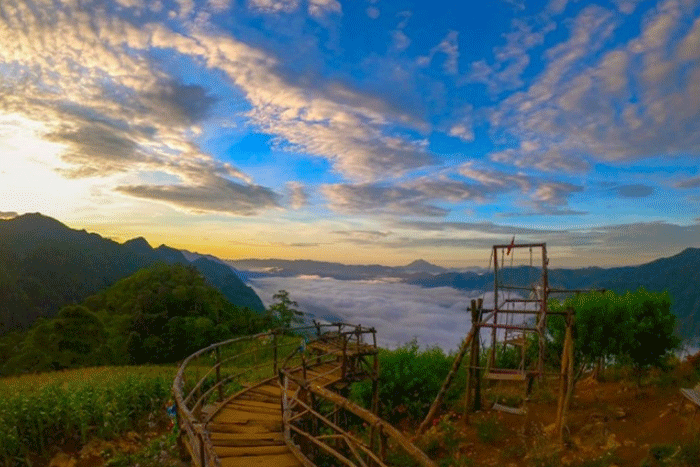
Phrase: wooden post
x=450 y=376
x=542 y=325
x=492 y=357
x=274 y=352
x=218 y=373
x=565 y=377
x=475 y=357
x=569 y=376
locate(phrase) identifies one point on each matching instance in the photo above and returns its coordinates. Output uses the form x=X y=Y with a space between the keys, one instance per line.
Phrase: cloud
x=689 y=183
x=373 y=198
x=414 y=197
x=477 y=227
x=511 y=59
x=274 y=6
x=361 y=237
x=94 y=79
x=372 y=12
x=398 y=311
x=614 y=104
x=216 y=194
x=449 y=46
x=8 y=214
x=634 y=191
x=298 y=198
x=462 y=132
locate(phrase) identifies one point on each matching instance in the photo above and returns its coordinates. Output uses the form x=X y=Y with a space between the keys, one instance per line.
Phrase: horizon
x=358 y=132
x=157 y=245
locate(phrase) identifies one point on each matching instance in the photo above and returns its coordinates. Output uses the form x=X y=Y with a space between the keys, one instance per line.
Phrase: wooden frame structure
x=498 y=318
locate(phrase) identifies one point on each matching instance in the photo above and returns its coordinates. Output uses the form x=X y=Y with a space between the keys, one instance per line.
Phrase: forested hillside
x=158 y=315
x=45 y=265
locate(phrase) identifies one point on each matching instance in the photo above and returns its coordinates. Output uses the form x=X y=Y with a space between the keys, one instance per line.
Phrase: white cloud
x=372 y=12
x=398 y=311
x=298 y=198
x=449 y=46
x=590 y=103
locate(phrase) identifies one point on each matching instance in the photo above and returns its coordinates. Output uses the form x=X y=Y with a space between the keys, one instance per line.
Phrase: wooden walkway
x=292 y=414
x=247 y=431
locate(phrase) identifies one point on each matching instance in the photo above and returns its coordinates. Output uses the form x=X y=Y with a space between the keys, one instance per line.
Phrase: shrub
x=409 y=380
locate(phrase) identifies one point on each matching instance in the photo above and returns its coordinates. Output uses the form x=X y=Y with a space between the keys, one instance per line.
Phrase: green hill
x=45 y=265
x=158 y=315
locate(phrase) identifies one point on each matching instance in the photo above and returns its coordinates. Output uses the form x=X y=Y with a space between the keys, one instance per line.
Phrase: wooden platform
x=247 y=430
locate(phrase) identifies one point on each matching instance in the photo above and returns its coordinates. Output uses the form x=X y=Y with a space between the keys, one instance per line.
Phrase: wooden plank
x=268 y=435
x=506 y=409
x=251 y=403
x=230 y=424
x=505 y=376
x=244 y=451
x=692 y=395
x=281 y=460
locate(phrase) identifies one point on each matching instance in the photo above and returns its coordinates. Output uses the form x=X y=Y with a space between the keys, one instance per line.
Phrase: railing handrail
x=192 y=425
x=370 y=418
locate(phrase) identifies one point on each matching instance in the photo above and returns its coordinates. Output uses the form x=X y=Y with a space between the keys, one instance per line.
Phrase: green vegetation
x=636 y=328
x=44 y=266
x=38 y=412
x=158 y=315
x=409 y=379
x=282 y=313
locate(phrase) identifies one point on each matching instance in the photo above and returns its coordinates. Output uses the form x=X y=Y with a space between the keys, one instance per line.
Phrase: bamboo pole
x=445 y=386
x=565 y=378
x=569 y=379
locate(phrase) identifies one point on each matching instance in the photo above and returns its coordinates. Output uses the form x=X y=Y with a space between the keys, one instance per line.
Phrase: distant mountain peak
x=419 y=262
x=37 y=220
x=138 y=244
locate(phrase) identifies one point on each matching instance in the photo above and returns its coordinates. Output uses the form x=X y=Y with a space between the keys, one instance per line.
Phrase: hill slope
x=45 y=265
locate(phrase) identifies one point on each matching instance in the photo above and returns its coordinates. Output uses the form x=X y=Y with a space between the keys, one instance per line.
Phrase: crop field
x=45 y=410
x=40 y=411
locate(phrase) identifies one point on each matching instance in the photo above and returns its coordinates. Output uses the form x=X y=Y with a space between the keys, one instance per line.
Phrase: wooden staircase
x=247 y=430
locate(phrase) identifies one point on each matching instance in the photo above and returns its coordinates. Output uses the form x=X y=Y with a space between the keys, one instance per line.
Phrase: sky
x=367 y=131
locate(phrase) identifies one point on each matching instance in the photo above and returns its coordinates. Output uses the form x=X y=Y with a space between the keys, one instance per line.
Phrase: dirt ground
x=609 y=423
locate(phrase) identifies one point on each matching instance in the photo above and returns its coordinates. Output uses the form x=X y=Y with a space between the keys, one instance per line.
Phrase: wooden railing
x=312 y=418
x=210 y=377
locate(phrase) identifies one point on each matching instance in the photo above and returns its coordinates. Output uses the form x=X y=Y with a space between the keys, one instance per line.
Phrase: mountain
x=679 y=274
x=140 y=319
x=251 y=268
x=44 y=265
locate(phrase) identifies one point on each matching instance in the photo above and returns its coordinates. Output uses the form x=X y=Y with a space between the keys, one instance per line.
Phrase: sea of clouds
x=399 y=312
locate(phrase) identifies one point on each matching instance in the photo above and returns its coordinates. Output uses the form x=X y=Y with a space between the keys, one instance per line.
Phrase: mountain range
x=679 y=274
x=44 y=265
x=250 y=268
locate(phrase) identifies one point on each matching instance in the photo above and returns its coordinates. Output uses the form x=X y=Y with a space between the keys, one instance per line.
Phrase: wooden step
x=245 y=426
x=244 y=451
x=280 y=460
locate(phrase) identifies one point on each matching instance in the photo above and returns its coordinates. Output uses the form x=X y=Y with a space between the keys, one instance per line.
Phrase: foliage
x=160 y=452
x=409 y=380
x=74 y=406
x=283 y=312
x=636 y=326
x=158 y=315
x=44 y=266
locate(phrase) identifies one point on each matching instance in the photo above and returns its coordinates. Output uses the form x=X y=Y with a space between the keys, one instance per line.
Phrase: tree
x=651 y=325
x=282 y=311
x=637 y=326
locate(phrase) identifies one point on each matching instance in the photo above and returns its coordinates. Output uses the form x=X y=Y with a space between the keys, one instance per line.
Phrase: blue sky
x=361 y=132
